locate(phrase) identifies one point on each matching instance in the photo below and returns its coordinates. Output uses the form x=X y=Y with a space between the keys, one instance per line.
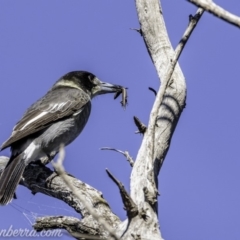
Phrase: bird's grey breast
x=64 y=131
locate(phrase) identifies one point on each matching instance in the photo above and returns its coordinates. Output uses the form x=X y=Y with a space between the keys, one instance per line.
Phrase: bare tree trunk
x=98 y=221
x=163 y=119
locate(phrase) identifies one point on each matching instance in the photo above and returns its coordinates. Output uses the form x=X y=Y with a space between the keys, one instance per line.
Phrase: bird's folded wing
x=55 y=105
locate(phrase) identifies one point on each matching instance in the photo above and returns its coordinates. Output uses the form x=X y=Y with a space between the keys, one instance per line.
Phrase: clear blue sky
x=199 y=181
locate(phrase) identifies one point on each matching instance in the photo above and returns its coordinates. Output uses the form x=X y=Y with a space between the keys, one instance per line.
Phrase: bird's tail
x=10 y=178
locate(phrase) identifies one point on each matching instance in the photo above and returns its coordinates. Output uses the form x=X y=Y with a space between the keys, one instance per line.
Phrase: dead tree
x=98 y=221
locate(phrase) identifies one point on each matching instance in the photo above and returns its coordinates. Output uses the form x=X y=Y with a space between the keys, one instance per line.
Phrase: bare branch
x=217 y=11
x=60 y=170
x=153 y=90
x=126 y=154
x=137 y=30
x=193 y=20
x=74 y=226
x=141 y=127
x=129 y=205
x=39 y=178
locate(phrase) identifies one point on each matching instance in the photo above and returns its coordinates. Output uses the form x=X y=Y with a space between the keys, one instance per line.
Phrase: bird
x=55 y=119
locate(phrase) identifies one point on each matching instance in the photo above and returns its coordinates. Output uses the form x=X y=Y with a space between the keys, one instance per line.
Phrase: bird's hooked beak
x=103 y=88
x=109 y=88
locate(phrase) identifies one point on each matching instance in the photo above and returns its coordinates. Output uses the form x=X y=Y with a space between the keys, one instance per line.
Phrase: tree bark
x=141 y=203
x=217 y=11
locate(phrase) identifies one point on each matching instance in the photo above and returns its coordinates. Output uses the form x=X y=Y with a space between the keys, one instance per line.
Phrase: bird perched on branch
x=56 y=118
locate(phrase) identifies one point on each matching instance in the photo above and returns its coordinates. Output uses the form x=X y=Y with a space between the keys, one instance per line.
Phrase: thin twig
x=153 y=90
x=129 y=204
x=141 y=127
x=126 y=154
x=217 y=11
x=58 y=166
x=138 y=30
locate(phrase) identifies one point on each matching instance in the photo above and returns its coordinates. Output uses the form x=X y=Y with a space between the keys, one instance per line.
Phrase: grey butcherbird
x=56 y=118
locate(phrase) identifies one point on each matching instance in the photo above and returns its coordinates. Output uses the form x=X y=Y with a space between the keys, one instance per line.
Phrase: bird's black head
x=87 y=82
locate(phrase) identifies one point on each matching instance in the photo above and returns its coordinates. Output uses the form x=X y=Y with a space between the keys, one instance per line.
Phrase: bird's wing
x=55 y=105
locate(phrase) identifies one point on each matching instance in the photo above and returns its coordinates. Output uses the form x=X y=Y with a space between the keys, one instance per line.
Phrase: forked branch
x=217 y=11
x=98 y=218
